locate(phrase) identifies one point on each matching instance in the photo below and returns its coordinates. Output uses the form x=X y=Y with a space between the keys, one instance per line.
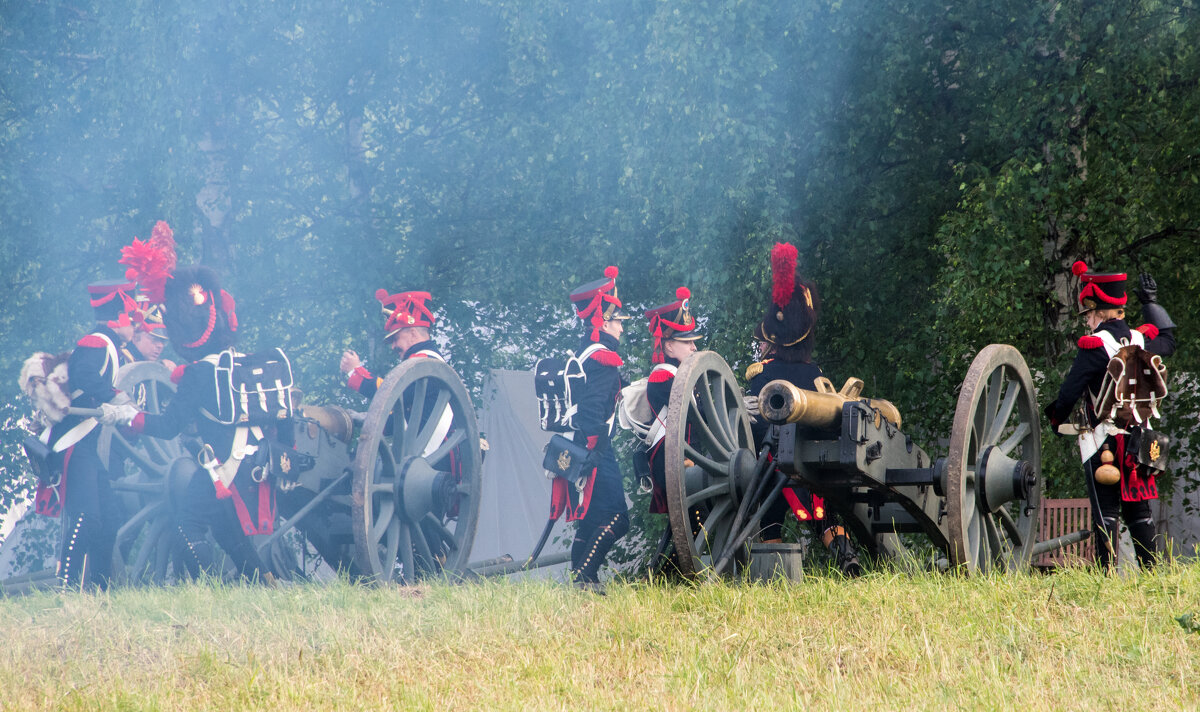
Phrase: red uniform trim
x=1090 y=342
x=660 y=376
x=93 y=341
x=138 y=424
x=357 y=376
x=607 y=357
x=177 y=374
x=591 y=441
x=1150 y=331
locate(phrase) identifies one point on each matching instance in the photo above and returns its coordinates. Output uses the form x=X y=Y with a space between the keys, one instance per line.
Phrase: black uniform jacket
x=1091 y=362
x=91 y=374
x=195 y=397
x=598 y=400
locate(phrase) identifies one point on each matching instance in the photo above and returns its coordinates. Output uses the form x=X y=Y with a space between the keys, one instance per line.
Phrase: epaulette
x=1090 y=342
x=660 y=376
x=177 y=374
x=1150 y=331
x=756 y=368
x=607 y=357
x=93 y=341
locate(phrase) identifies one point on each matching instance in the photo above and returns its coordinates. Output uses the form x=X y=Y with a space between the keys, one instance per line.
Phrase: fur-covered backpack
x=1134 y=384
x=44 y=379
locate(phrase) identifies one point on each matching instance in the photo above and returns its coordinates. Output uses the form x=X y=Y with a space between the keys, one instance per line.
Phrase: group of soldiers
x=158 y=302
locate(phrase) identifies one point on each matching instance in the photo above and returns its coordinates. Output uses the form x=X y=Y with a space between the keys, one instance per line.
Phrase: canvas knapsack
x=554 y=379
x=1134 y=384
x=634 y=412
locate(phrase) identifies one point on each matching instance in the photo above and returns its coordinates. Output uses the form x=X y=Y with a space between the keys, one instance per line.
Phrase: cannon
x=391 y=494
x=978 y=505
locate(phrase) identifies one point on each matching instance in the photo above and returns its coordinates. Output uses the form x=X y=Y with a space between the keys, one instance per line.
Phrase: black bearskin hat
x=200 y=316
x=791 y=317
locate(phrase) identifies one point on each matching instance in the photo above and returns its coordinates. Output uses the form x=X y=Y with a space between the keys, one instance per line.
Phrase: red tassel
x=1079 y=268
x=783 y=272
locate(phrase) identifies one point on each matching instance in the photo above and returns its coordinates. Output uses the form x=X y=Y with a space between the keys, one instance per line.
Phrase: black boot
x=844 y=553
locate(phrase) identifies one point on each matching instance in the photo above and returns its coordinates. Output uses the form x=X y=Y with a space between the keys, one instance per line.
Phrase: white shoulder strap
x=110 y=353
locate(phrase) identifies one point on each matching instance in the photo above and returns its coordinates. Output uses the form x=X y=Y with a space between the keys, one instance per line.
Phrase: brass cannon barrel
x=781 y=403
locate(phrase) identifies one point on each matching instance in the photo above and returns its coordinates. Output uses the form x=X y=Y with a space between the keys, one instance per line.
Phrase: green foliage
x=938 y=166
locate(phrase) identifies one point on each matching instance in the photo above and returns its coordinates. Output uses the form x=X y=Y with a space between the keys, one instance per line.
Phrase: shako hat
x=404 y=310
x=200 y=318
x=672 y=321
x=152 y=318
x=792 y=312
x=113 y=303
x=1100 y=290
x=597 y=301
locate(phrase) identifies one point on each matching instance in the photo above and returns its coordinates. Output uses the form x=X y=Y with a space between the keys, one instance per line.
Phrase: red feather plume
x=783 y=272
x=151 y=262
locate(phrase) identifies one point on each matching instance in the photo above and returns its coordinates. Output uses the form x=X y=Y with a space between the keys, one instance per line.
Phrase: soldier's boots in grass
x=842 y=550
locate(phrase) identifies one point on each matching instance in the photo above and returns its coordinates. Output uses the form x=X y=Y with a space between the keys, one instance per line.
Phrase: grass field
x=1075 y=640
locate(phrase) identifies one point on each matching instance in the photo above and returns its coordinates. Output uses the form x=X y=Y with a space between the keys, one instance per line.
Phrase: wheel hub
x=742 y=464
x=420 y=490
x=1001 y=479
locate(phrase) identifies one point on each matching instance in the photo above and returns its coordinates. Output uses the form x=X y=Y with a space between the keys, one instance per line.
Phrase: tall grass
x=1075 y=640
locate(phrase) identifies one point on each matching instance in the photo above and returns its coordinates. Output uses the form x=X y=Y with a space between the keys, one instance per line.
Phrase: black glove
x=1147 y=291
x=592 y=461
x=1050 y=415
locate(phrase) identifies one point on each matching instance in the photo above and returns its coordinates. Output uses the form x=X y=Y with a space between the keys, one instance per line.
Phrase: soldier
x=202 y=323
x=406 y=329
x=603 y=515
x=150 y=336
x=1102 y=302
x=86 y=550
x=675 y=336
x=787 y=333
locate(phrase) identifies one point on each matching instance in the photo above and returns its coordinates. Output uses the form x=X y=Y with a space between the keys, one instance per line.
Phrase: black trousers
x=203 y=512
x=89 y=518
x=1106 y=500
x=607 y=520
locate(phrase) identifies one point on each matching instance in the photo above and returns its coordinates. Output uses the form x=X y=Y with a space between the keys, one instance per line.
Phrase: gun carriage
x=978 y=504
x=391 y=494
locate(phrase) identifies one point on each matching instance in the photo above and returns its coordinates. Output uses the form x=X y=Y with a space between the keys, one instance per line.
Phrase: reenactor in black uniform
x=788 y=332
x=1102 y=442
x=202 y=323
x=603 y=515
x=83 y=493
x=406 y=329
x=675 y=336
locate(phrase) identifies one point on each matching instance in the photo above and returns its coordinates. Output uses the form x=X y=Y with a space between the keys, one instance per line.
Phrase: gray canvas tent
x=516 y=493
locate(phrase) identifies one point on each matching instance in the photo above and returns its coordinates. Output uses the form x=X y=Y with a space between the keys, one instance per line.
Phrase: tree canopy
x=939 y=166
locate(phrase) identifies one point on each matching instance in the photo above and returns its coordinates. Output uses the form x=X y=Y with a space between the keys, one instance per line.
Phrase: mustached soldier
x=406 y=329
x=201 y=321
x=83 y=492
x=1102 y=302
x=788 y=332
x=603 y=515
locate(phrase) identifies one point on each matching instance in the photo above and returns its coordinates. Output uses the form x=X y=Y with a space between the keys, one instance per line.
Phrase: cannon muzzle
x=781 y=403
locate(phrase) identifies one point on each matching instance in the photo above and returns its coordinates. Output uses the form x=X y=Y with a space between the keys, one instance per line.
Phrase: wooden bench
x=1064 y=516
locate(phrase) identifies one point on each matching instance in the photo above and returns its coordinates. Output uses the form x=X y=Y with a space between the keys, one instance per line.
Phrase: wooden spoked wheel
x=416 y=489
x=144 y=480
x=709 y=460
x=993 y=469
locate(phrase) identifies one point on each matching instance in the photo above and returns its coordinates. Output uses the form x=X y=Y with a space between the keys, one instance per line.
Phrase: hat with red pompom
x=596 y=302
x=404 y=310
x=792 y=311
x=113 y=302
x=672 y=321
x=1100 y=290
